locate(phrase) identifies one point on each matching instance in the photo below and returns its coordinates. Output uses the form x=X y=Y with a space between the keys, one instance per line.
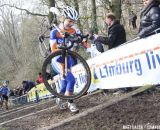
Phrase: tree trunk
x=77 y=9
x=51 y=17
x=115 y=6
x=94 y=16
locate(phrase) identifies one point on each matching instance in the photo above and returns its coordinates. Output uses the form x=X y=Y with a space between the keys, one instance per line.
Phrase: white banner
x=130 y=65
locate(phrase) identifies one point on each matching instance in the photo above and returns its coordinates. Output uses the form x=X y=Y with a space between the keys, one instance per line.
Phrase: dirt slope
x=138 y=112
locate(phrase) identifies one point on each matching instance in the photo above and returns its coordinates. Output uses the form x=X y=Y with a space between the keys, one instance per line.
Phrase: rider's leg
x=69 y=91
x=1 y=103
x=70 y=83
x=5 y=101
x=63 y=86
x=6 y=104
x=59 y=101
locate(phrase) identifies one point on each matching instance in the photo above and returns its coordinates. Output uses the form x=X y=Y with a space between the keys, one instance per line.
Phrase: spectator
x=95 y=47
x=28 y=85
x=40 y=78
x=17 y=91
x=149 y=18
x=116 y=32
x=5 y=92
x=37 y=94
x=116 y=36
x=133 y=19
x=12 y=93
x=20 y=91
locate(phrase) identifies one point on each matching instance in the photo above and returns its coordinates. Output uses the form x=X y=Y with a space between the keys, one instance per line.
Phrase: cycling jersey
x=56 y=39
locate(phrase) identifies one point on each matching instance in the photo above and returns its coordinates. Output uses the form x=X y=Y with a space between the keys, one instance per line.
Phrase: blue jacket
x=4 y=90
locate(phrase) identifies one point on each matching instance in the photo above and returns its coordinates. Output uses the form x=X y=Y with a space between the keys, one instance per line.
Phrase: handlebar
x=76 y=38
x=66 y=34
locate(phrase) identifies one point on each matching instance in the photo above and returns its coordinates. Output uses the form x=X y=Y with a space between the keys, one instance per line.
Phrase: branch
x=27 y=11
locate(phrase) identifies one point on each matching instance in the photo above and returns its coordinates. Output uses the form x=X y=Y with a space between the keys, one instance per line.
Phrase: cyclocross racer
x=69 y=16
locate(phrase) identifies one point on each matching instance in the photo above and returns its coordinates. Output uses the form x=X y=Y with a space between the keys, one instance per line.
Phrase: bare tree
x=94 y=16
x=77 y=8
x=51 y=17
x=27 y=11
x=115 y=6
x=9 y=36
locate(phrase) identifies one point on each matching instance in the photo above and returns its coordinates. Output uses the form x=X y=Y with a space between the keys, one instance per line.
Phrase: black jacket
x=150 y=19
x=28 y=85
x=116 y=35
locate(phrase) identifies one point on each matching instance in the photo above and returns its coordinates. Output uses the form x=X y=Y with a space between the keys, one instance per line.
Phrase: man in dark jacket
x=116 y=32
x=116 y=36
x=150 y=18
x=28 y=85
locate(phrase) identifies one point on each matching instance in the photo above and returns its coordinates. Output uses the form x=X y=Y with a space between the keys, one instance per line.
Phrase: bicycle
x=44 y=46
x=64 y=53
x=44 y=43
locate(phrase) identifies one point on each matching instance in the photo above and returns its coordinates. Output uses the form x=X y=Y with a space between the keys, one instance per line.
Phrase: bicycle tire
x=43 y=50
x=48 y=86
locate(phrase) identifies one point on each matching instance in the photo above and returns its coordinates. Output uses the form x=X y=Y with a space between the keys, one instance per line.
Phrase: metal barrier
x=18 y=100
x=25 y=99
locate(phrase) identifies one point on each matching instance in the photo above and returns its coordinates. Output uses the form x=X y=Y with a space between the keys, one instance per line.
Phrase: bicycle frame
x=64 y=49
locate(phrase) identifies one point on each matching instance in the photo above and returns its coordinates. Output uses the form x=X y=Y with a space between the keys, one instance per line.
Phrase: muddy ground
x=138 y=112
x=51 y=115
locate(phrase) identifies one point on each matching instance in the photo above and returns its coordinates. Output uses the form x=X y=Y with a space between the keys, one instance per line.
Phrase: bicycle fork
x=65 y=61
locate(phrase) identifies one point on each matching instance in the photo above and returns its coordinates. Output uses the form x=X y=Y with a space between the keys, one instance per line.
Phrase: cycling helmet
x=5 y=82
x=70 y=12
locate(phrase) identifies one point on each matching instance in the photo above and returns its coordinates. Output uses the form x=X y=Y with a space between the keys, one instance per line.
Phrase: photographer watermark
x=147 y=126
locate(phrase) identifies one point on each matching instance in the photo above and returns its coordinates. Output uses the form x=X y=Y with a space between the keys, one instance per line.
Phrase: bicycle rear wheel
x=44 y=49
x=80 y=71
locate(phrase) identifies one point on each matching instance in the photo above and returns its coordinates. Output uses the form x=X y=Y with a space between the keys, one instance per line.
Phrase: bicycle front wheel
x=79 y=71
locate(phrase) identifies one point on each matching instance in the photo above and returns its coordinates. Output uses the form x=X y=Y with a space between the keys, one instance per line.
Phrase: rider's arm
x=53 y=46
x=53 y=40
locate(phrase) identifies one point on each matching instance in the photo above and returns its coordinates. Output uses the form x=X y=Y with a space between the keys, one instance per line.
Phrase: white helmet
x=70 y=12
x=5 y=82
